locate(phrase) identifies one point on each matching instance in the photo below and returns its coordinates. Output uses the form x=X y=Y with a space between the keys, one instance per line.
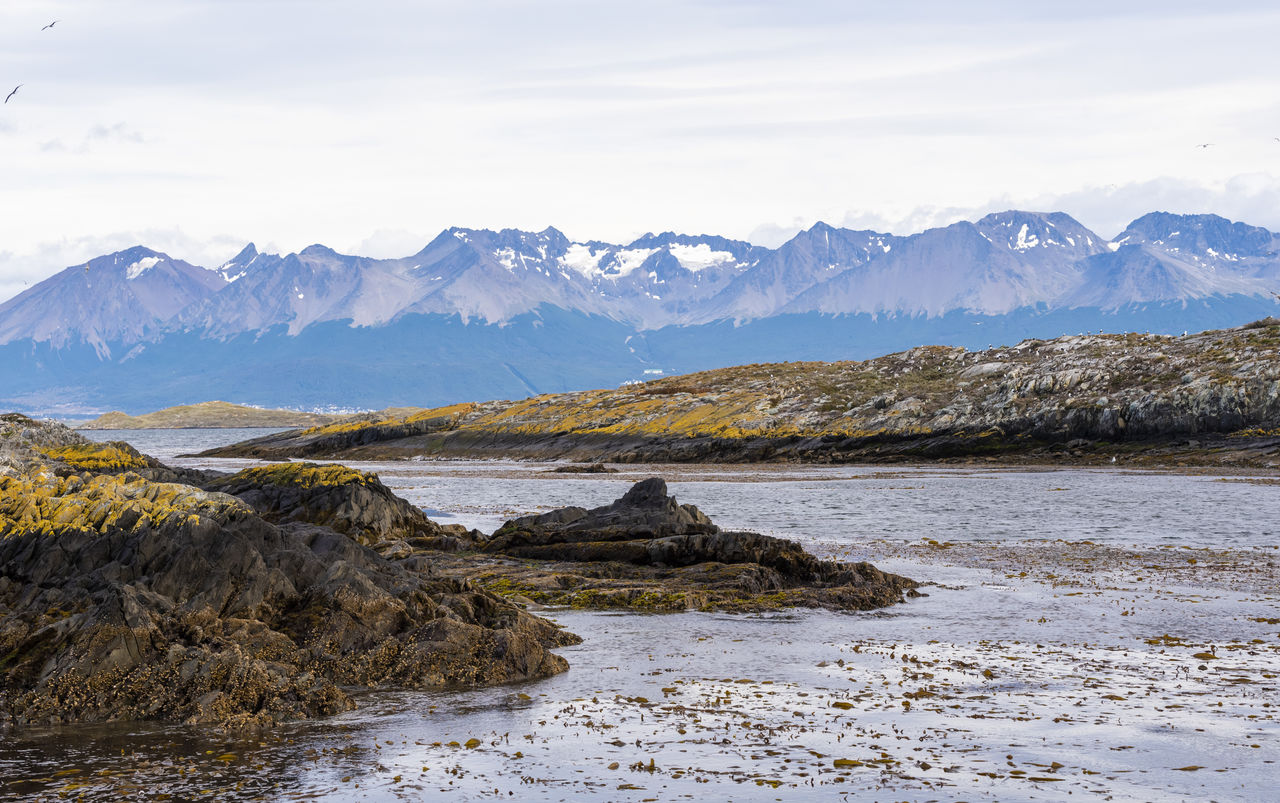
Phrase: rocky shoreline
x=129 y=590
x=1208 y=399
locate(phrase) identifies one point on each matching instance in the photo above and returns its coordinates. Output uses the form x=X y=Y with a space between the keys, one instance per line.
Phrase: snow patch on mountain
x=623 y=261
x=1025 y=242
x=583 y=259
x=140 y=267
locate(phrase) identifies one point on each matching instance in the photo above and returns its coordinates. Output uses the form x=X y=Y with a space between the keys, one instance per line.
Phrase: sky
x=195 y=126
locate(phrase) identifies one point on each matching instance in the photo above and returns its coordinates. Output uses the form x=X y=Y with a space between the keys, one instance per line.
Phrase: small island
x=209 y=415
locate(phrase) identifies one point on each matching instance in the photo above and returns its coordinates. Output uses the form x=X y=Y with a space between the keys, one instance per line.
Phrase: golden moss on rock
x=305 y=475
x=122 y=597
x=931 y=402
x=111 y=456
x=45 y=503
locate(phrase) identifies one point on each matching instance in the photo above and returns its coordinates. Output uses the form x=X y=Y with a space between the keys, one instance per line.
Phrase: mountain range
x=479 y=314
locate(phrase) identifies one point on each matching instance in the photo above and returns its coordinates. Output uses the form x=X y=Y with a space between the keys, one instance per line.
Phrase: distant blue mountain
x=478 y=314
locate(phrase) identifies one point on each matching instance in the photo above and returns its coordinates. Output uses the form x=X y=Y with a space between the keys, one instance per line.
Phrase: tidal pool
x=1087 y=633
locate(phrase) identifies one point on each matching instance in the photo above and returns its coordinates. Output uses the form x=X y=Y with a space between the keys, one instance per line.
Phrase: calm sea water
x=1089 y=633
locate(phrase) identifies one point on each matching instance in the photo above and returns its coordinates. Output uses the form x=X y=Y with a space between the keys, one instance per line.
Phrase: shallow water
x=1093 y=632
x=168 y=443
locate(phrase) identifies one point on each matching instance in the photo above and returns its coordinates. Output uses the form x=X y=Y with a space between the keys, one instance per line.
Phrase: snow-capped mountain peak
x=1002 y=262
x=121 y=297
x=237 y=266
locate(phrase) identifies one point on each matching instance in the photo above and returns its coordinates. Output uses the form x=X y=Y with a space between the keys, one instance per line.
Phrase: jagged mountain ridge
x=1002 y=262
x=484 y=314
x=121 y=297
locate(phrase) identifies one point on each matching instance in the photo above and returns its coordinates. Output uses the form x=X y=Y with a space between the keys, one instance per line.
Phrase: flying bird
x=50 y=25
x=14 y=92
x=1206 y=145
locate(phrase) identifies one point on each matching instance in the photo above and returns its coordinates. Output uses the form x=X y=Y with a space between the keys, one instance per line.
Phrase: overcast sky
x=194 y=126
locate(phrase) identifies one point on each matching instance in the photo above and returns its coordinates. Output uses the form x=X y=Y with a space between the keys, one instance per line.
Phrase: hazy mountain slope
x=124 y=297
x=1003 y=262
x=479 y=313
x=802 y=263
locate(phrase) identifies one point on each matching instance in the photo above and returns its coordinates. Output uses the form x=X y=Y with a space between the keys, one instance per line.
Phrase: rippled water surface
x=1087 y=633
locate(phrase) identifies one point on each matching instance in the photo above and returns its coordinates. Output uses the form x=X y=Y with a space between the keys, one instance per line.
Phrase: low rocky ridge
x=1211 y=397
x=124 y=597
x=209 y=415
x=648 y=552
x=354 y=503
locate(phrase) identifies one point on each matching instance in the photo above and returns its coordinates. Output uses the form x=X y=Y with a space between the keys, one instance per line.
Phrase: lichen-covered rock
x=1135 y=396
x=126 y=598
x=352 y=502
x=647 y=551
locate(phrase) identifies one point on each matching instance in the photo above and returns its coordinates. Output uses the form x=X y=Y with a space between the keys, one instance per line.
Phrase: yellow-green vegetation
x=303 y=475
x=97 y=456
x=44 y=503
x=625 y=598
x=213 y=414
x=1257 y=432
x=443 y=416
x=1115 y=388
x=677 y=592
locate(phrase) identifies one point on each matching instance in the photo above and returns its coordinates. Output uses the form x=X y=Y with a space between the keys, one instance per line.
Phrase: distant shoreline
x=86 y=428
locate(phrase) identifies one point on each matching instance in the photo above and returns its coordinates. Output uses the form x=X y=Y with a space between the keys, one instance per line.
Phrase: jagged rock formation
x=1212 y=397
x=650 y=552
x=122 y=597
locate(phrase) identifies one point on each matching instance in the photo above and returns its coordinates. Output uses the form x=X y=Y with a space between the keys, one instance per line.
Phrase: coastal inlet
x=1100 y=632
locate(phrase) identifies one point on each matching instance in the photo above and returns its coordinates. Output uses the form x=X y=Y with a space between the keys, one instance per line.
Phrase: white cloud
x=323 y=121
x=1252 y=198
x=391 y=244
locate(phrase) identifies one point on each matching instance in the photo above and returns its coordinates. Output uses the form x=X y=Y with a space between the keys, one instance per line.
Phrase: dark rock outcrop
x=126 y=598
x=354 y=503
x=582 y=468
x=646 y=550
x=645 y=512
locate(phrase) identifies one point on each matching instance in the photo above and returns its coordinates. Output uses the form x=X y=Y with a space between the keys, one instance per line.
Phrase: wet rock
x=648 y=551
x=352 y=502
x=645 y=511
x=126 y=598
x=589 y=468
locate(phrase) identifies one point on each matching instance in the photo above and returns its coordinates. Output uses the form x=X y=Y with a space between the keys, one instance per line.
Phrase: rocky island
x=131 y=590
x=209 y=415
x=1211 y=398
